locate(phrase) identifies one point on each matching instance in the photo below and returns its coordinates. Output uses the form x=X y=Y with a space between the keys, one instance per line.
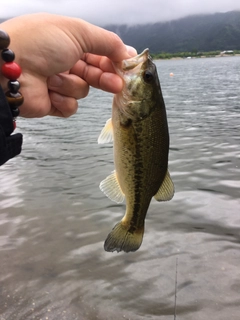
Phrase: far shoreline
x=188 y=55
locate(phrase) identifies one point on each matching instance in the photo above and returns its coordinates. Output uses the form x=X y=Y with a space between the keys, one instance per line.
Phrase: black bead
x=4 y=40
x=15 y=112
x=8 y=55
x=13 y=86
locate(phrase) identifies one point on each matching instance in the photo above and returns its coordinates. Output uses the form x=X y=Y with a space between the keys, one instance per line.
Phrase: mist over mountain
x=219 y=31
x=210 y=32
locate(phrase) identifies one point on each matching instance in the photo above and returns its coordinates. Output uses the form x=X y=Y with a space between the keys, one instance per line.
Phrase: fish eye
x=147 y=76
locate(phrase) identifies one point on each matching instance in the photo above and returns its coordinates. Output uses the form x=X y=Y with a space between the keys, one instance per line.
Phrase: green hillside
x=219 y=31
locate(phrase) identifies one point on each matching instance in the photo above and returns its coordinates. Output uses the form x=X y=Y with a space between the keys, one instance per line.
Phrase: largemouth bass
x=139 y=131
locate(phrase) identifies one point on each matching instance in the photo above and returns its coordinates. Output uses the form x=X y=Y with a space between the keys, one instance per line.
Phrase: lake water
x=54 y=219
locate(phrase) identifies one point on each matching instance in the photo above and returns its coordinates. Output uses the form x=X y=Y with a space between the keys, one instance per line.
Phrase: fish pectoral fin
x=166 y=191
x=111 y=188
x=106 y=134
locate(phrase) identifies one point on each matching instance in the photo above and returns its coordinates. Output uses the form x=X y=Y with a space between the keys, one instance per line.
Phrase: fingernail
x=131 y=51
x=55 y=81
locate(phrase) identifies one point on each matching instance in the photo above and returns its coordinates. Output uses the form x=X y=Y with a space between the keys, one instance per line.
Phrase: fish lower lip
x=131 y=63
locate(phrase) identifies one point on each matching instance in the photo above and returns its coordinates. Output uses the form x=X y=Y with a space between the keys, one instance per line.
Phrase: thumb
x=95 y=40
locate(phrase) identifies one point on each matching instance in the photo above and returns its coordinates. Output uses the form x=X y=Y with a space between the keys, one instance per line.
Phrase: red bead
x=11 y=70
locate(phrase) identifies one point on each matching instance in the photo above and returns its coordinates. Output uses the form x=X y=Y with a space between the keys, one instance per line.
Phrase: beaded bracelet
x=11 y=70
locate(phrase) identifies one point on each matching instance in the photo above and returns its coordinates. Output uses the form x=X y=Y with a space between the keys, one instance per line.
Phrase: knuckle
x=70 y=107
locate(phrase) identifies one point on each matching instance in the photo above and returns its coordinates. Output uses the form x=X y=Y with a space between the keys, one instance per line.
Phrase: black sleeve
x=10 y=145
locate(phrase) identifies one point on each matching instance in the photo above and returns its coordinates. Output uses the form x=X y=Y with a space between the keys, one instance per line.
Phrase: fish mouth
x=131 y=63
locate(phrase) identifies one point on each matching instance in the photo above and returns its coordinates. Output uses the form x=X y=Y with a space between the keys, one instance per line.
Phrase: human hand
x=60 y=58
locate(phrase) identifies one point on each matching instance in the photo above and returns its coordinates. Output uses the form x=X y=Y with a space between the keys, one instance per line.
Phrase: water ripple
x=54 y=219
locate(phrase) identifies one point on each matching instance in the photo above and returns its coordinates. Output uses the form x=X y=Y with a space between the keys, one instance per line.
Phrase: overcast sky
x=103 y=12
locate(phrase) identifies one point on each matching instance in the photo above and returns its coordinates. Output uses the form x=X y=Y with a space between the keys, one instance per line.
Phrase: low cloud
x=122 y=12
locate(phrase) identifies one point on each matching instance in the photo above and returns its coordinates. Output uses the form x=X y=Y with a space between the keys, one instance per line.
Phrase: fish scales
x=139 y=152
x=141 y=144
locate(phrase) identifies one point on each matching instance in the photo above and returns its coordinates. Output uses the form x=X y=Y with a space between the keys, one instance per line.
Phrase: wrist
x=11 y=71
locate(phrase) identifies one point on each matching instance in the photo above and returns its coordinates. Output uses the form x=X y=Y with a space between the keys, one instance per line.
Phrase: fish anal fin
x=111 y=188
x=166 y=190
x=106 y=134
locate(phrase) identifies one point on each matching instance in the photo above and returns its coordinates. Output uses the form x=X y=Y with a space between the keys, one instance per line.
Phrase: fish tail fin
x=122 y=238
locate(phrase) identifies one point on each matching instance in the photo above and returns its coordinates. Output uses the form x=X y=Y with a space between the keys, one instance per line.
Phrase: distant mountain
x=219 y=31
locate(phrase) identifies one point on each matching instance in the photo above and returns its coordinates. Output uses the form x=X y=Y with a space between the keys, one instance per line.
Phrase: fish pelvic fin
x=111 y=188
x=166 y=190
x=106 y=134
x=121 y=238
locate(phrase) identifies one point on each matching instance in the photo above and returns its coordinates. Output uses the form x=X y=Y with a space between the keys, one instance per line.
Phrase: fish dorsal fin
x=106 y=134
x=166 y=191
x=110 y=186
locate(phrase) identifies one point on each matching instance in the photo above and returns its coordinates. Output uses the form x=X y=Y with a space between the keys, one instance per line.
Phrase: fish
x=139 y=131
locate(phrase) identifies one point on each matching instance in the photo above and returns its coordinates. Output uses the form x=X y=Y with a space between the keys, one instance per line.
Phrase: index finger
x=101 y=78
